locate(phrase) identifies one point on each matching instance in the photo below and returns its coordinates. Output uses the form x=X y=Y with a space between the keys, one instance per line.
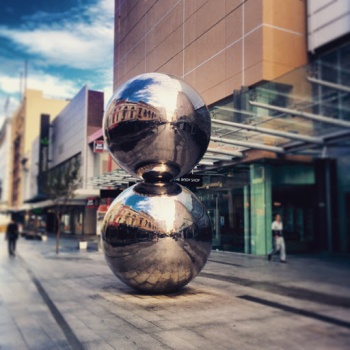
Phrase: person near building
x=279 y=243
x=12 y=236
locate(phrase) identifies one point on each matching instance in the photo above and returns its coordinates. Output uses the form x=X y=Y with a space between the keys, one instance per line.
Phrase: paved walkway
x=73 y=301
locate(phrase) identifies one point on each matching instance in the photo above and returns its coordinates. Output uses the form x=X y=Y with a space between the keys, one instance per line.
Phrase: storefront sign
x=92 y=202
x=99 y=146
x=190 y=180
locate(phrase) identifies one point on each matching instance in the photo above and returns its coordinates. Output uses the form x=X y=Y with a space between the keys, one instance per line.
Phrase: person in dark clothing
x=11 y=236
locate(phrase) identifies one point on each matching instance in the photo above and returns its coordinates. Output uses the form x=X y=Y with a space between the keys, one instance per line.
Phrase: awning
x=83 y=193
x=80 y=197
x=115 y=179
x=38 y=198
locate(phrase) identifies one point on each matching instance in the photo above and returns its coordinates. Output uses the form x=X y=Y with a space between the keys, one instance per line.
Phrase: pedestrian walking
x=11 y=236
x=279 y=243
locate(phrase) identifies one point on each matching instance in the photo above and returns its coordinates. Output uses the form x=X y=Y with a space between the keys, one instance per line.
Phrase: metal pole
x=249 y=144
x=225 y=152
x=217 y=217
x=329 y=84
x=329 y=208
x=307 y=115
x=284 y=134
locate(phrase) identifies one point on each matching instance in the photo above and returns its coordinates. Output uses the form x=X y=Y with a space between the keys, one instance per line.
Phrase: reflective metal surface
x=156 y=127
x=156 y=237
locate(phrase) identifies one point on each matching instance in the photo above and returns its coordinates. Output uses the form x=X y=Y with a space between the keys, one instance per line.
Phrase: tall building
x=275 y=75
x=216 y=46
x=5 y=168
x=25 y=128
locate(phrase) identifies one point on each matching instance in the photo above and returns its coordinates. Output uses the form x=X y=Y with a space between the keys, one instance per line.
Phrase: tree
x=60 y=184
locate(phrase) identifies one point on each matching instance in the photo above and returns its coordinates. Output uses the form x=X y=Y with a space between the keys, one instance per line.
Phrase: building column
x=247 y=226
x=326 y=224
x=260 y=209
x=343 y=181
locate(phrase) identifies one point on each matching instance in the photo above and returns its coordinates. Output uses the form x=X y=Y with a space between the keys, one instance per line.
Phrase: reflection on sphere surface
x=156 y=242
x=157 y=127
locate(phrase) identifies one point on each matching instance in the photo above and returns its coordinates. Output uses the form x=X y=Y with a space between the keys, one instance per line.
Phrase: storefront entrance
x=243 y=202
x=226 y=211
x=224 y=198
x=296 y=206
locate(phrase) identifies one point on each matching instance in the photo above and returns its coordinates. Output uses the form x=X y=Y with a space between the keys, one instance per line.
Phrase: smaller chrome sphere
x=157 y=127
x=156 y=237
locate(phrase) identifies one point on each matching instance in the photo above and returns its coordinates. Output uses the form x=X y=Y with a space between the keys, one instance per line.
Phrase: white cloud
x=73 y=42
x=108 y=93
x=81 y=48
x=106 y=81
x=8 y=105
x=52 y=86
x=103 y=9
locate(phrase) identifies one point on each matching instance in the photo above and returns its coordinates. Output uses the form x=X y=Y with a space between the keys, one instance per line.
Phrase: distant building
x=5 y=170
x=25 y=128
x=68 y=143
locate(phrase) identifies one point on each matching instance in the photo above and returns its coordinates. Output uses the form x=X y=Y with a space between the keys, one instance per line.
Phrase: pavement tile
x=87 y=335
x=14 y=344
x=149 y=316
x=73 y=321
x=103 y=313
x=124 y=330
x=94 y=322
x=141 y=342
x=182 y=339
x=151 y=329
x=136 y=321
x=166 y=325
x=100 y=345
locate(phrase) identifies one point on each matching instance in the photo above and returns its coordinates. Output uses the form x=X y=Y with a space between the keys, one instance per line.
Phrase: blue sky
x=66 y=43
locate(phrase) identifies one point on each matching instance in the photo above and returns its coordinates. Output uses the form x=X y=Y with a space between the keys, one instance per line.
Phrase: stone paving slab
x=238 y=301
x=25 y=321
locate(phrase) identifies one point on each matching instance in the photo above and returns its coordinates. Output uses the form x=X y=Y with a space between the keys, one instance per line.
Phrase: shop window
x=65 y=224
x=132 y=110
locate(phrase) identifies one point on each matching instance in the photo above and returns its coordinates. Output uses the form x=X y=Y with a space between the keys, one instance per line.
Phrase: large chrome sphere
x=156 y=127
x=156 y=237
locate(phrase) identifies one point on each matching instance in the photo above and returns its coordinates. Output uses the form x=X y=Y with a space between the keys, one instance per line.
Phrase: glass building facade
x=293 y=136
x=279 y=147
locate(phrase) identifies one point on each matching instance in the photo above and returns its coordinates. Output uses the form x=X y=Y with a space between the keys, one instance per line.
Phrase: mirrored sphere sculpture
x=156 y=234
x=156 y=127
x=156 y=243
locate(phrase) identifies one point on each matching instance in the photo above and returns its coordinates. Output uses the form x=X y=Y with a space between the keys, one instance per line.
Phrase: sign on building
x=98 y=146
x=92 y=202
x=190 y=180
